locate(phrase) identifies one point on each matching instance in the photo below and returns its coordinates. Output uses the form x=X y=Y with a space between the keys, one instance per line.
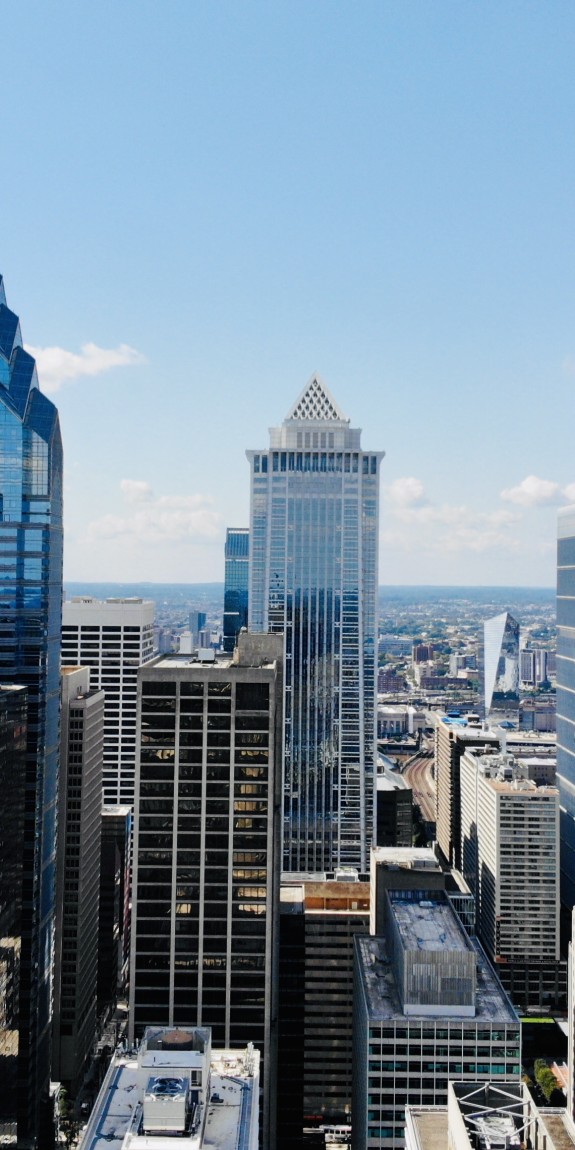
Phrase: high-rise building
x=510 y=859
x=394 y=813
x=13 y=724
x=453 y=735
x=114 y=917
x=207 y=848
x=318 y=921
x=427 y=1008
x=501 y=663
x=112 y=637
x=236 y=584
x=510 y=853
x=566 y=697
x=198 y=620
x=30 y=615
x=313 y=577
x=78 y=877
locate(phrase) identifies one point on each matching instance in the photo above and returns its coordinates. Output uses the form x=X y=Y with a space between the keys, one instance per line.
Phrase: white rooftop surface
x=231 y=1124
x=412 y=857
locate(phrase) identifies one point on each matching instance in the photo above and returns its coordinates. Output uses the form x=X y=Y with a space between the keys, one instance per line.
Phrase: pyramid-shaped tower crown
x=315 y=403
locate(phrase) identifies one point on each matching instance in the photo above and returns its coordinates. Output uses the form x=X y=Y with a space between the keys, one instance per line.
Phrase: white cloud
x=532 y=492
x=569 y=492
x=151 y=519
x=406 y=491
x=136 y=490
x=57 y=366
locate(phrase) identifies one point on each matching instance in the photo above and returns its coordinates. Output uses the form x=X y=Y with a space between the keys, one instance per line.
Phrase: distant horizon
x=381 y=586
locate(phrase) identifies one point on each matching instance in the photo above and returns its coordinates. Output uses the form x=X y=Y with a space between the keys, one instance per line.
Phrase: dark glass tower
x=30 y=620
x=236 y=584
x=313 y=576
x=566 y=697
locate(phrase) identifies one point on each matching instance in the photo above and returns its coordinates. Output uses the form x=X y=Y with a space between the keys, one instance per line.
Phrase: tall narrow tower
x=313 y=576
x=30 y=617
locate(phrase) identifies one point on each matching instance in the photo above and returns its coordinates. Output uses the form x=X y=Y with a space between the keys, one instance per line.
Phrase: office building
x=533 y=666
x=453 y=735
x=318 y=920
x=112 y=637
x=510 y=851
x=207 y=847
x=427 y=1008
x=13 y=732
x=510 y=857
x=421 y=653
x=566 y=697
x=114 y=917
x=77 y=877
x=394 y=809
x=537 y=716
x=313 y=578
x=500 y=663
x=30 y=616
x=399 y=868
x=177 y=1089
x=198 y=621
x=236 y=584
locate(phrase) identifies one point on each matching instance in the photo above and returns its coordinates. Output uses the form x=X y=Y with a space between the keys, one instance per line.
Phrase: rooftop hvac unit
x=165 y=1105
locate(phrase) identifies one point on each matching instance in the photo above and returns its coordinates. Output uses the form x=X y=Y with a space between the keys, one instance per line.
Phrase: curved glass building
x=313 y=576
x=30 y=620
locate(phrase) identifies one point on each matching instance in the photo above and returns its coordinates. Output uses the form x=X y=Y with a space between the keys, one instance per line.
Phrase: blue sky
x=203 y=203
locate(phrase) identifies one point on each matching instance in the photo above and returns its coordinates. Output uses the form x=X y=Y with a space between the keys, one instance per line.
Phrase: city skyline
x=382 y=195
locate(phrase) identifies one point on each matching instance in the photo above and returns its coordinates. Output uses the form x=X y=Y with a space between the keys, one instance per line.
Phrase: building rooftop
x=226 y=1119
x=412 y=858
x=491 y=1001
x=388 y=780
x=427 y=924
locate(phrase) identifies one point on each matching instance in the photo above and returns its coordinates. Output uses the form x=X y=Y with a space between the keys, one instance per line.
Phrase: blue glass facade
x=236 y=584
x=566 y=697
x=313 y=576
x=30 y=620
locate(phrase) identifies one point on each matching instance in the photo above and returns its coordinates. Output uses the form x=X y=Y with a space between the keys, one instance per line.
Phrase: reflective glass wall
x=30 y=620
x=313 y=576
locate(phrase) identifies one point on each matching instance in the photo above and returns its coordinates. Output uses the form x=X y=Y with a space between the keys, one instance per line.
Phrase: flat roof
x=383 y=1002
x=113 y=1122
x=431 y=1125
x=413 y=857
x=428 y=924
x=220 y=663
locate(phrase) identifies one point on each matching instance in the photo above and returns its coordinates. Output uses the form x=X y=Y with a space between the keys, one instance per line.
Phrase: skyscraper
x=313 y=576
x=30 y=615
x=236 y=584
x=501 y=663
x=78 y=871
x=566 y=697
x=207 y=850
x=112 y=637
x=13 y=791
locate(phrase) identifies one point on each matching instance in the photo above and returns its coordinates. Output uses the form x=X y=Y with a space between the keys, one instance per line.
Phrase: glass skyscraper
x=30 y=618
x=566 y=697
x=313 y=576
x=501 y=663
x=236 y=584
